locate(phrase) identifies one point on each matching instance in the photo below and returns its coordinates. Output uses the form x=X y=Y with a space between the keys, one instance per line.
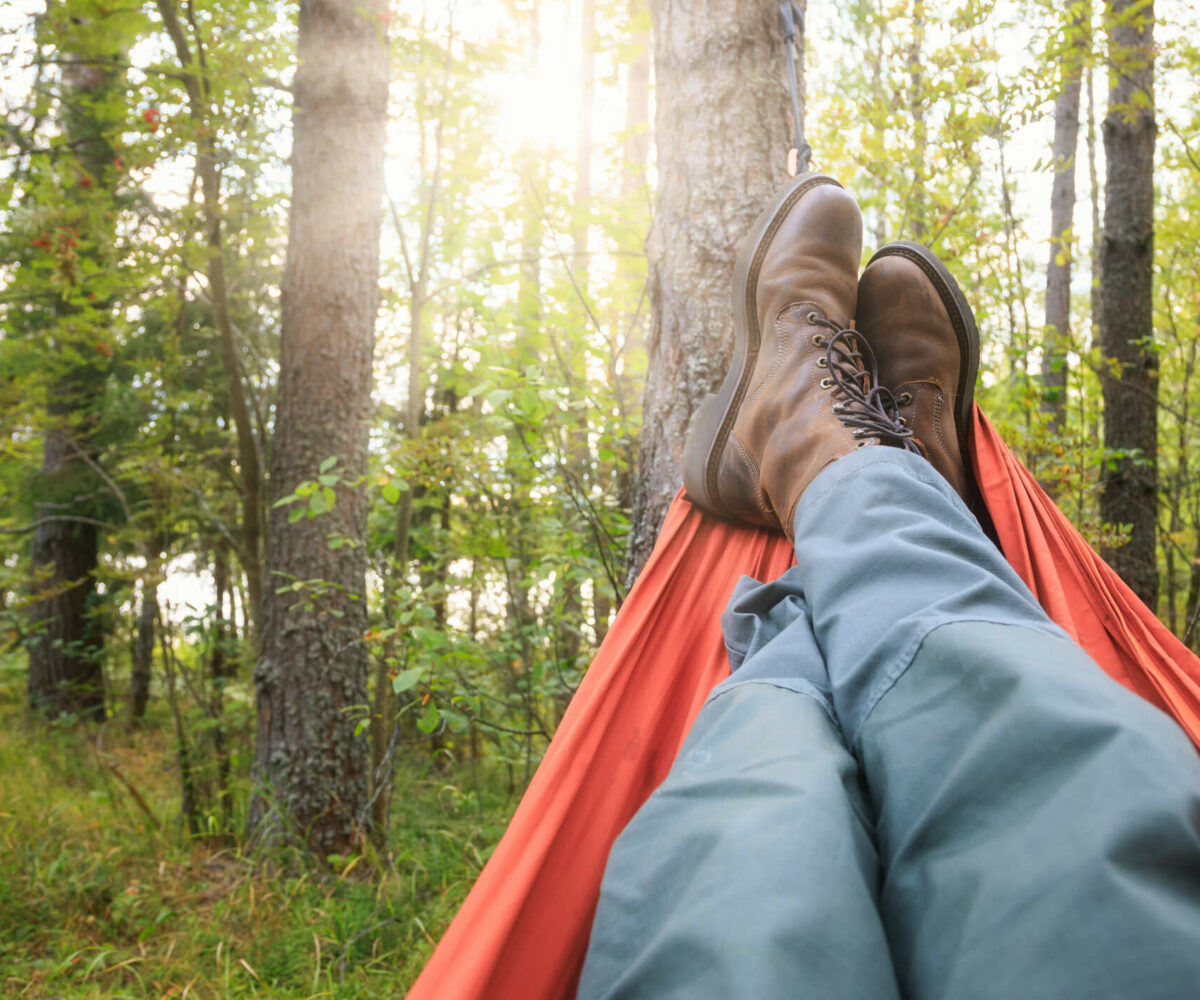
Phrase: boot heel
x=702 y=438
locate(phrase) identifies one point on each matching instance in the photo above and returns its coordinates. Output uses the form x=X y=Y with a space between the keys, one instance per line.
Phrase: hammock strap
x=791 y=24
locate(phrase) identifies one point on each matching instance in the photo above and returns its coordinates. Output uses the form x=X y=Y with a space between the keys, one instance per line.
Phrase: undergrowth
x=105 y=896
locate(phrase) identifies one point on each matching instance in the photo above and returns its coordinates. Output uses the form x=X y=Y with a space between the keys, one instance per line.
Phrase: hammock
x=522 y=932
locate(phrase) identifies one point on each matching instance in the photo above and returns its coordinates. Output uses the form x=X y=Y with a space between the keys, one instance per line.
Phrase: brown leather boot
x=924 y=335
x=800 y=392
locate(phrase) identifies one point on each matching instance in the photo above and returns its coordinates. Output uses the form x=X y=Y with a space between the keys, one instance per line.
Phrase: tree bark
x=723 y=128
x=1062 y=218
x=578 y=454
x=143 y=649
x=65 y=672
x=311 y=768
x=917 y=209
x=1129 y=374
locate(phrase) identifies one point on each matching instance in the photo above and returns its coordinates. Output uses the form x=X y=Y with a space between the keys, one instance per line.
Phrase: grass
x=96 y=901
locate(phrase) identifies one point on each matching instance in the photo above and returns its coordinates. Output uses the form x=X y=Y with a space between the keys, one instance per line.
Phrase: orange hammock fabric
x=522 y=932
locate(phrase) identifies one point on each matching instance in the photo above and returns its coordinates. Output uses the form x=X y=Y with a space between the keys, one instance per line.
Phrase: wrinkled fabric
x=887 y=552
x=1038 y=823
x=522 y=932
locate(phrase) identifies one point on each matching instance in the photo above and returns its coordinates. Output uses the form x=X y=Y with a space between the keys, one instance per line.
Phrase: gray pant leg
x=751 y=872
x=1038 y=823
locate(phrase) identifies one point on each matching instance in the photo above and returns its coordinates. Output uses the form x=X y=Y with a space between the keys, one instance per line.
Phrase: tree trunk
x=312 y=667
x=1097 y=261
x=1076 y=44
x=723 y=131
x=578 y=454
x=1130 y=369
x=917 y=210
x=143 y=649
x=65 y=673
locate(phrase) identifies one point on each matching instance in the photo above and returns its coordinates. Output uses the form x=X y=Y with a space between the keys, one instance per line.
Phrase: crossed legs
x=914 y=784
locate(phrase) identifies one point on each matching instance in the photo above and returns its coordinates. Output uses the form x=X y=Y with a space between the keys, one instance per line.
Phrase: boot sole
x=960 y=315
x=716 y=414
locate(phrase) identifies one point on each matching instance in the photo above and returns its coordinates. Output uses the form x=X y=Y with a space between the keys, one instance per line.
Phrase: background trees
x=181 y=366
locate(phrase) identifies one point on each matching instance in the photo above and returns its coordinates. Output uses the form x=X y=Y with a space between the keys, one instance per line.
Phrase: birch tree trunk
x=722 y=131
x=311 y=768
x=1130 y=370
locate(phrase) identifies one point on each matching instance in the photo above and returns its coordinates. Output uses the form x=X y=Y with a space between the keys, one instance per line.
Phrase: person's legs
x=1039 y=825
x=752 y=871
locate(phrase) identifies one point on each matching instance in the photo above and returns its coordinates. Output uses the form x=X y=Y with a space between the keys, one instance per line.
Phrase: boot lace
x=865 y=406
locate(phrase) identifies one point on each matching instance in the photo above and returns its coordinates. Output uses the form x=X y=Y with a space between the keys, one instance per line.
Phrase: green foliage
x=96 y=901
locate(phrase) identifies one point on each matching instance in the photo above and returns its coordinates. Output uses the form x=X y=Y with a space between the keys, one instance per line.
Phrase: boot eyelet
x=826 y=383
x=838 y=407
x=861 y=444
x=904 y=398
x=819 y=341
x=903 y=422
x=813 y=317
x=822 y=362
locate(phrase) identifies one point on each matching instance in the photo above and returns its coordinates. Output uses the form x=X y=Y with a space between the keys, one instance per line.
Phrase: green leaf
x=406 y=679
x=329 y=479
x=391 y=492
x=329 y=463
x=362 y=724
x=295 y=514
x=428 y=721
x=497 y=397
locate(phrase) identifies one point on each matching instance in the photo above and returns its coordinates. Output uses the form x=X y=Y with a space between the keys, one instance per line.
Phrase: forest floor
x=99 y=899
